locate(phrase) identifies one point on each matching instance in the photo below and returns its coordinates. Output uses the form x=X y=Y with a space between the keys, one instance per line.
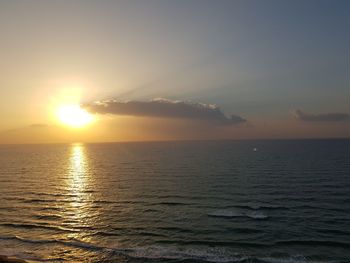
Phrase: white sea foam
x=238 y=213
x=212 y=254
x=218 y=254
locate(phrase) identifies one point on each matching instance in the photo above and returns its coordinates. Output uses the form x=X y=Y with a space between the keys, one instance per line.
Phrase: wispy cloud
x=322 y=117
x=164 y=108
x=39 y=125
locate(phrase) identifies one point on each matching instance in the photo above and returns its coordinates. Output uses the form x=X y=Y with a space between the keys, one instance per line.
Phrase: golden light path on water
x=80 y=213
x=78 y=170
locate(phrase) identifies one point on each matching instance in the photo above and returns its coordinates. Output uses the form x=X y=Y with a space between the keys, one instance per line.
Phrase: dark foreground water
x=288 y=202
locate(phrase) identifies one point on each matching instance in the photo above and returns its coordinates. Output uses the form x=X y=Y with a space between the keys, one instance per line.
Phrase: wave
x=283 y=243
x=233 y=213
x=164 y=253
x=36 y=200
x=72 y=243
x=206 y=243
x=177 y=229
x=68 y=199
x=31 y=226
x=334 y=231
x=27 y=256
x=186 y=254
x=48 y=217
x=181 y=253
x=263 y=207
x=318 y=207
x=214 y=254
x=51 y=194
x=244 y=230
x=172 y=203
x=326 y=243
x=141 y=233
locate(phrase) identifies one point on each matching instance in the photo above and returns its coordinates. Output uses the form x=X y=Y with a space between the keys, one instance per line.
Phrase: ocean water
x=216 y=201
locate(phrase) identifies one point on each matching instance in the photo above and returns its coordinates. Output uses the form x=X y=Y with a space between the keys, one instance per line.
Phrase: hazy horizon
x=77 y=142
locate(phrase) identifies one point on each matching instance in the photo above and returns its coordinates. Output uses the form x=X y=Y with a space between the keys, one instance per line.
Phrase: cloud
x=39 y=125
x=164 y=108
x=324 y=117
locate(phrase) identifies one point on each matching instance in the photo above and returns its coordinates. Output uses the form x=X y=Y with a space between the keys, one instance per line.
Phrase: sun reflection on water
x=78 y=170
x=79 y=213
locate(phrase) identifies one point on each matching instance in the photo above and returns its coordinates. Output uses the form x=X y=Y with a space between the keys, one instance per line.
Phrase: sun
x=74 y=116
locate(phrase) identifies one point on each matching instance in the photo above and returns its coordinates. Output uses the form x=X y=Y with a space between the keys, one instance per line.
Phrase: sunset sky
x=164 y=70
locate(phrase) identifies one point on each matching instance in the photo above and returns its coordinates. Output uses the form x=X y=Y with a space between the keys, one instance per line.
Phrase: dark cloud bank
x=324 y=117
x=163 y=108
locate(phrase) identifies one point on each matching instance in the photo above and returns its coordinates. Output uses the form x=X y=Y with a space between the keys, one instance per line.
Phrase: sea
x=268 y=201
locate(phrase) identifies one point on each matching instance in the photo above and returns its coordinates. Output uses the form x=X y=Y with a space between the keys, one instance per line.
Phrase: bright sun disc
x=74 y=116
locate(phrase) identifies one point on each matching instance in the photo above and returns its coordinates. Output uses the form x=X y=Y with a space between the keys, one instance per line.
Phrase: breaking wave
x=170 y=252
x=233 y=213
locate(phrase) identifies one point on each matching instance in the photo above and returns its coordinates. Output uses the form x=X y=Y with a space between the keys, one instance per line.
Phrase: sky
x=167 y=70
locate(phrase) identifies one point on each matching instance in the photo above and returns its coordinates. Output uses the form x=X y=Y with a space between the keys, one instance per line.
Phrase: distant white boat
x=255 y=149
